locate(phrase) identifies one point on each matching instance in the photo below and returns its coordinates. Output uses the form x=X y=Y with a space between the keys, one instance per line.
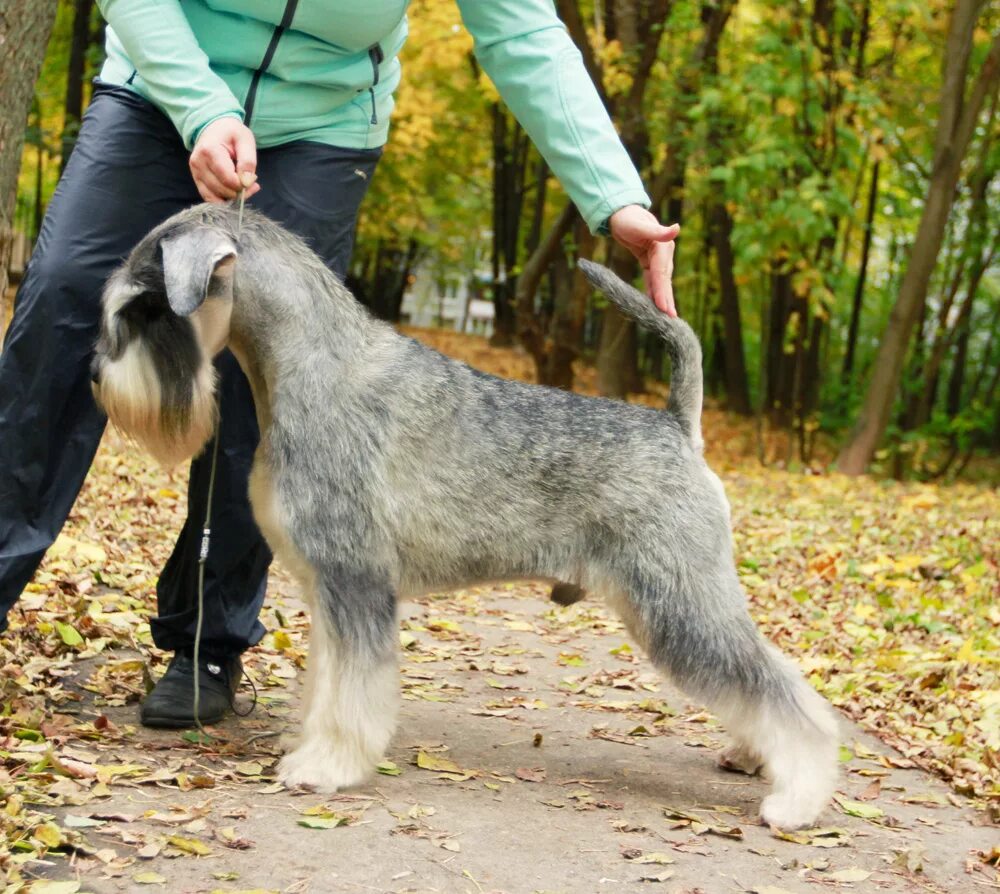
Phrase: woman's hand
x=653 y=244
x=224 y=160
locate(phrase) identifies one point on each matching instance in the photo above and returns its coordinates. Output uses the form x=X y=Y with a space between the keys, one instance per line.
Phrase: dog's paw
x=738 y=759
x=788 y=812
x=323 y=767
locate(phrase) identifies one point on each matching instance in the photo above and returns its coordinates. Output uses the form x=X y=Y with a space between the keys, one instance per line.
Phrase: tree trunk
x=987 y=355
x=977 y=248
x=531 y=328
x=957 y=119
x=953 y=400
x=510 y=154
x=79 y=45
x=781 y=361
x=729 y=351
x=735 y=368
x=24 y=31
x=384 y=293
x=859 y=286
x=556 y=368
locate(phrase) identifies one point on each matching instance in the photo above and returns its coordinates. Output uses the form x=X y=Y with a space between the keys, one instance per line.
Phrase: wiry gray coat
x=386 y=469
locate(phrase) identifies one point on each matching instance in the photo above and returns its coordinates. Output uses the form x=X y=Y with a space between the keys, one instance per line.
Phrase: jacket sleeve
x=174 y=69
x=537 y=69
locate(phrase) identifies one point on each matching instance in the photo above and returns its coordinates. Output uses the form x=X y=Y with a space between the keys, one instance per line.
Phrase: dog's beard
x=130 y=392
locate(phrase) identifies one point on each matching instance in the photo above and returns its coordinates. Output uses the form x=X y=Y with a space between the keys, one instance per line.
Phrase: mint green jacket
x=325 y=70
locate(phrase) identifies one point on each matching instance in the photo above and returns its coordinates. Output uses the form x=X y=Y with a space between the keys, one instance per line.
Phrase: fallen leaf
x=48 y=834
x=189 y=845
x=653 y=858
x=849 y=875
x=44 y=886
x=324 y=822
x=664 y=876
x=858 y=809
x=68 y=634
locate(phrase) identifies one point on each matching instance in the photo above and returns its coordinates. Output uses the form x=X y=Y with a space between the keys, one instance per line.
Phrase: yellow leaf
x=908 y=563
x=447 y=768
x=439 y=764
x=88 y=553
x=923 y=500
x=189 y=845
x=48 y=834
x=107 y=772
x=966 y=655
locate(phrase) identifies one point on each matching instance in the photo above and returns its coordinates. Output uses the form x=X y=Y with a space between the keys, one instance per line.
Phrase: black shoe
x=171 y=703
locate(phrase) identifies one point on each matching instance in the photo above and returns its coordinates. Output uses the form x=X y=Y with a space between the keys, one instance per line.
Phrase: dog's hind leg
x=698 y=631
x=352 y=684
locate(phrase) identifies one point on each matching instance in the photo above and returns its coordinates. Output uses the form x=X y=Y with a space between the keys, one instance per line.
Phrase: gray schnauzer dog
x=386 y=470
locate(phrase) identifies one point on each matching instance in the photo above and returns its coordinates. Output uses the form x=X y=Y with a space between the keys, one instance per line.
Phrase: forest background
x=833 y=164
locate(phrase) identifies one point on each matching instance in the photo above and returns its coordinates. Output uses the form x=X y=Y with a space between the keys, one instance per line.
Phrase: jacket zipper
x=376 y=56
x=286 y=21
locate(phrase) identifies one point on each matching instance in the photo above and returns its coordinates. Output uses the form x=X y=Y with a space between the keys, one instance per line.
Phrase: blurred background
x=832 y=163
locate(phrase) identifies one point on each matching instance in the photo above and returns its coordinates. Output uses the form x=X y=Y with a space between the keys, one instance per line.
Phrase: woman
x=198 y=98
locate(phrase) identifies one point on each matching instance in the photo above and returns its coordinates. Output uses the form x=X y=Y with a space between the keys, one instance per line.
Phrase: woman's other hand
x=653 y=244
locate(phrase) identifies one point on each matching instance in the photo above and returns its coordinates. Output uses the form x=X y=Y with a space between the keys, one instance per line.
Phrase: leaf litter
x=885 y=593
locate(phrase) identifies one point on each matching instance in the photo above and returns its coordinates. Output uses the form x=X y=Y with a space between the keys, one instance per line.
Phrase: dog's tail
x=682 y=344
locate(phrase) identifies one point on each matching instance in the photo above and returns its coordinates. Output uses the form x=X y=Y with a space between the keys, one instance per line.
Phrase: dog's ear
x=197 y=264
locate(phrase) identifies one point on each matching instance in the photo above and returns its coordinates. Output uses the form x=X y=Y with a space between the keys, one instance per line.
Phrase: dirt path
x=555 y=760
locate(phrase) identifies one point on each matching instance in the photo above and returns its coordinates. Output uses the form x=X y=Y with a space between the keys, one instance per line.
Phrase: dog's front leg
x=352 y=687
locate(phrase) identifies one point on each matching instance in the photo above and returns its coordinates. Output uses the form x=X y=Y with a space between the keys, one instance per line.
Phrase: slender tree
x=859 y=285
x=960 y=107
x=511 y=149
x=79 y=44
x=714 y=16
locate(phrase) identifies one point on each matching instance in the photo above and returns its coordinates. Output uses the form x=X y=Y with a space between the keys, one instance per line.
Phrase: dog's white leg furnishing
x=386 y=468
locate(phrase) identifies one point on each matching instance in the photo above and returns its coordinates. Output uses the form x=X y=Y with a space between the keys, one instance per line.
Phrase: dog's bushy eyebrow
x=149 y=277
x=146 y=262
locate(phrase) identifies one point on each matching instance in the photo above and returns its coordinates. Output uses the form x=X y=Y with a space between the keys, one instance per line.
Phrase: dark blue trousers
x=128 y=172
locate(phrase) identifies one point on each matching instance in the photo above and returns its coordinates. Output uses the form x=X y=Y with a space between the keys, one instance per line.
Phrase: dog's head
x=166 y=314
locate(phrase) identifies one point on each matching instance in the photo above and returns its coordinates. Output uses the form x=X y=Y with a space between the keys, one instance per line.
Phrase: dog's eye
x=145 y=308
